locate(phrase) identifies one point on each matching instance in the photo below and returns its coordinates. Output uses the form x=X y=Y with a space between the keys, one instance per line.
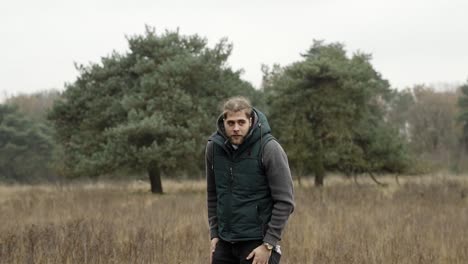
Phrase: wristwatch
x=268 y=245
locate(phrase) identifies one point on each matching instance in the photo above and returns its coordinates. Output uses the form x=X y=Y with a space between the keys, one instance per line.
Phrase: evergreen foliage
x=150 y=109
x=329 y=111
x=25 y=147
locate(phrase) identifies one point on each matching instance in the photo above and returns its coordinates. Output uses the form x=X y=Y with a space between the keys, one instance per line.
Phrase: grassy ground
x=422 y=220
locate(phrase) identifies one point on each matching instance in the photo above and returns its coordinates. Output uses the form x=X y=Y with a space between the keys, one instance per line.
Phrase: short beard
x=231 y=140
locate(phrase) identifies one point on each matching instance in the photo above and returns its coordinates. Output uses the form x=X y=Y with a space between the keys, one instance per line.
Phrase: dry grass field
x=421 y=220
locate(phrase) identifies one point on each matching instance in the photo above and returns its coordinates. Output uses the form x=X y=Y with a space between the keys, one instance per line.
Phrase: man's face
x=237 y=126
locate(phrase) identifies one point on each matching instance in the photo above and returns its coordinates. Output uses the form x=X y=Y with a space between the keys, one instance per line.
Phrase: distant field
x=422 y=220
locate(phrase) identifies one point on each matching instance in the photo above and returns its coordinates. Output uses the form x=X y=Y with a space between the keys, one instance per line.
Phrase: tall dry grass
x=423 y=220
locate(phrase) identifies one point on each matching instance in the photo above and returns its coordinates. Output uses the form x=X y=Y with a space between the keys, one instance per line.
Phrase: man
x=249 y=185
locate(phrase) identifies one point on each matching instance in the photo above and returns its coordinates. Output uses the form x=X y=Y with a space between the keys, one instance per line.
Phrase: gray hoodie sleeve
x=279 y=177
x=211 y=191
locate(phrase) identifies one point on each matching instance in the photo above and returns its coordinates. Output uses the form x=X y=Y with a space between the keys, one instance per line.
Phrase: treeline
x=150 y=111
x=27 y=147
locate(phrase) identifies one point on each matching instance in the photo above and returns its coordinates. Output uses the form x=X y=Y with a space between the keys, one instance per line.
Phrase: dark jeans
x=235 y=253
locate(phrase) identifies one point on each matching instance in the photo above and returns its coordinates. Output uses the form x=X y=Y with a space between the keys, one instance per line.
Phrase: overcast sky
x=411 y=41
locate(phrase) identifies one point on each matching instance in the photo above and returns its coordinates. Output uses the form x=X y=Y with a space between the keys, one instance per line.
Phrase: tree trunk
x=319 y=176
x=299 y=173
x=355 y=179
x=396 y=178
x=155 y=178
x=375 y=180
x=319 y=169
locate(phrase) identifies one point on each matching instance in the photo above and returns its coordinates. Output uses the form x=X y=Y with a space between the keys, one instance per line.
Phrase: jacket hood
x=259 y=128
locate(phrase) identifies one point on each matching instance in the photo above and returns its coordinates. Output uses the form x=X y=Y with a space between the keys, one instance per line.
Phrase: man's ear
x=250 y=122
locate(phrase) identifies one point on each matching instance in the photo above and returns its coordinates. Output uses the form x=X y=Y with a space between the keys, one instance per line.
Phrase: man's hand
x=260 y=254
x=214 y=241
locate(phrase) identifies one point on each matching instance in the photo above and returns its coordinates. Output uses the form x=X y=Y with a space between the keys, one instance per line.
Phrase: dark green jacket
x=240 y=197
x=244 y=199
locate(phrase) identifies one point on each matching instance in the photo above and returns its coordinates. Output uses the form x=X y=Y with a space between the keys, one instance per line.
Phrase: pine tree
x=326 y=107
x=149 y=110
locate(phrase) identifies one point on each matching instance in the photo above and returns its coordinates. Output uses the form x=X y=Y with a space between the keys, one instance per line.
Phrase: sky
x=411 y=41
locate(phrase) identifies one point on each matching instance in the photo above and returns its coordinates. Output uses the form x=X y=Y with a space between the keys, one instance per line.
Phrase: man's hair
x=237 y=104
